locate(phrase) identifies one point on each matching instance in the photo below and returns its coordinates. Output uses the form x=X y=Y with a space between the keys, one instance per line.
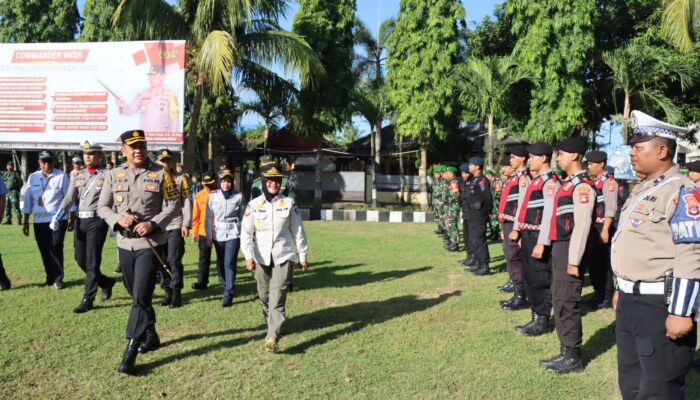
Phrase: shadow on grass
x=359 y=315
x=599 y=343
x=328 y=277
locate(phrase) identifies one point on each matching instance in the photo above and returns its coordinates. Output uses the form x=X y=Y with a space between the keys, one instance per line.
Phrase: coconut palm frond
x=216 y=59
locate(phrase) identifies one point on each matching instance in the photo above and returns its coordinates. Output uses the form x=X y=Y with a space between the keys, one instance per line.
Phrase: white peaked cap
x=647 y=127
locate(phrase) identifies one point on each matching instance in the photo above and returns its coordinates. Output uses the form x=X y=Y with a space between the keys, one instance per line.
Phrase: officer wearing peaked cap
x=139 y=200
x=90 y=229
x=657 y=241
x=256 y=187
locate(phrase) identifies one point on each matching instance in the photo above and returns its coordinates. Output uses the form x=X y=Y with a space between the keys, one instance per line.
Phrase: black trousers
x=598 y=264
x=650 y=365
x=139 y=272
x=51 y=248
x=514 y=262
x=566 y=297
x=465 y=233
x=4 y=280
x=476 y=235
x=175 y=249
x=537 y=274
x=205 y=263
x=88 y=240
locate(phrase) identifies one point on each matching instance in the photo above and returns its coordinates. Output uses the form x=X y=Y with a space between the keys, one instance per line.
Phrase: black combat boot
x=540 y=327
x=452 y=247
x=151 y=341
x=594 y=301
x=107 y=290
x=177 y=299
x=509 y=287
x=482 y=270
x=439 y=230
x=128 y=365
x=517 y=302
x=520 y=328
x=570 y=362
x=5 y=283
x=553 y=360
x=84 y=306
x=168 y=297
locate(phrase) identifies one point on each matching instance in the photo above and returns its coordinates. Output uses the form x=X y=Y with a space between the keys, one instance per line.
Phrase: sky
x=372 y=12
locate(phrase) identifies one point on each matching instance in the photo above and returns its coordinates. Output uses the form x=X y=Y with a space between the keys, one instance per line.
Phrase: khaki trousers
x=274 y=282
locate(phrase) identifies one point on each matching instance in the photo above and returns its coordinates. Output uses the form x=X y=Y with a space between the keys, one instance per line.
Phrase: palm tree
x=483 y=85
x=274 y=95
x=368 y=67
x=679 y=22
x=228 y=38
x=636 y=68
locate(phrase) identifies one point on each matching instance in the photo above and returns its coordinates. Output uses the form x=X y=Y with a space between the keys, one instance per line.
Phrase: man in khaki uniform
x=138 y=200
x=177 y=231
x=657 y=240
x=158 y=106
x=271 y=229
x=90 y=230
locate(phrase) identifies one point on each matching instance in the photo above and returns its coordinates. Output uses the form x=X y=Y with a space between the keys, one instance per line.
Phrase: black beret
x=519 y=150
x=540 y=149
x=132 y=137
x=572 y=145
x=505 y=161
x=693 y=166
x=596 y=156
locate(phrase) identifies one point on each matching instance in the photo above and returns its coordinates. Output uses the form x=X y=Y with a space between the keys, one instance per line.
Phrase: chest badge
x=152 y=175
x=636 y=222
x=120 y=174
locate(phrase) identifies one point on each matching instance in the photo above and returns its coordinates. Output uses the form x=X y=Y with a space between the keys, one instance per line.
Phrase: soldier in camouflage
x=453 y=204
x=13 y=181
x=437 y=200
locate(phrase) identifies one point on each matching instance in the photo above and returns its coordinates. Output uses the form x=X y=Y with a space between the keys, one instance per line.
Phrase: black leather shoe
x=553 y=360
x=520 y=328
x=604 y=304
x=452 y=247
x=509 y=287
x=107 y=291
x=128 y=364
x=165 y=301
x=59 y=285
x=540 y=327
x=439 y=231
x=570 y=362
x=227 y=303
x=118 y=270
x=198 y=286
x=151 y=341
x=517 y=302
x=594 y=301
x=482 y=270
x=5 y=283
x=176 y=301
x=84 y=306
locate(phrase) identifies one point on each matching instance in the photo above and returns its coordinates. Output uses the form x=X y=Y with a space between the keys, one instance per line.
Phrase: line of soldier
x=554 y=229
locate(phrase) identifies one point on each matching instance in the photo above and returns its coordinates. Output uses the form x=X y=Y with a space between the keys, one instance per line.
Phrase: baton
x=110 y=90
x=163 y=264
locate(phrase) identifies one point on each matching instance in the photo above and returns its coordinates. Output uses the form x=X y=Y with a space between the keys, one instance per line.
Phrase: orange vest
x=199 y=212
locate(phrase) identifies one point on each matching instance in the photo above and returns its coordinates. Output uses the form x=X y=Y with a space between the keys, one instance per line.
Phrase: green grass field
x=382 y=313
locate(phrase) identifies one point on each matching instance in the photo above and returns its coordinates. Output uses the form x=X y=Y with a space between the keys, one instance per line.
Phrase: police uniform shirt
x=549 y=190
x=270 y=230
x=643 y=248
x=523 y=182
x=609 y=194
x=477 y=190
x=44 y=194
x=85 y=190
x=224 y=216
x=584 y=203
x=147 y=192
x=184 y=188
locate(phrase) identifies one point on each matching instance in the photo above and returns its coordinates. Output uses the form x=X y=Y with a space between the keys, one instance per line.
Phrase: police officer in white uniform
x=272 y=227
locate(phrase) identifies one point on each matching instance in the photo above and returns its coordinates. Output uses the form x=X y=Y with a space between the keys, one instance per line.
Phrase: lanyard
x=92 y=183
x=45 y=185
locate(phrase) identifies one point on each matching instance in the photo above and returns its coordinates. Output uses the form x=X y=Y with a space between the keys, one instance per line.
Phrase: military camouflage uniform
x=13 y=181
x=453 y=204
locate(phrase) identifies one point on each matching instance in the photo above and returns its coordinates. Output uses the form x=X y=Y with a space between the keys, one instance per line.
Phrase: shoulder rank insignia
x=120 y=174
x=152 y=175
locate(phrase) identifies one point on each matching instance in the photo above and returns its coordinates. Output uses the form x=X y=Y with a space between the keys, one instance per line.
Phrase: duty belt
x=86 y=214
x=630 y=287
x=129 y=234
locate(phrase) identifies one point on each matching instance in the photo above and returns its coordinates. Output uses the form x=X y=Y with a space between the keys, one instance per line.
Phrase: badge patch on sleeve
x=691 y=205
x=583 y=198
x=550 y=188
x=611 y=186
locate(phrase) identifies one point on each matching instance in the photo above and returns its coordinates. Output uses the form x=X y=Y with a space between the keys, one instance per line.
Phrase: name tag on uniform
x=152 y=174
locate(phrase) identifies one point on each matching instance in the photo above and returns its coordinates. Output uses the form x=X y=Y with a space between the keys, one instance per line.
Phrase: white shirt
x=224 y=216
x=271 y=230
x=51 y=189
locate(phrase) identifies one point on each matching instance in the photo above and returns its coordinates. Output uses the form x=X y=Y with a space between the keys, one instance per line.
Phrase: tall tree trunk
x=626 y=118
x=373 y=167
x=492 y=150
x=210 y=151
x=423 y=174
x=24 y=167
x=402 y=174
x=191 y=142
x=318 y=189
x=377 y=162
x=266 y=135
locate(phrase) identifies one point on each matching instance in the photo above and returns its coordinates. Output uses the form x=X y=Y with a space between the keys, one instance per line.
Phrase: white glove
x=54 y=223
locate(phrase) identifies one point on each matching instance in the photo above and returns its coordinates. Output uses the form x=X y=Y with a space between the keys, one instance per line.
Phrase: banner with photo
x=58 y=95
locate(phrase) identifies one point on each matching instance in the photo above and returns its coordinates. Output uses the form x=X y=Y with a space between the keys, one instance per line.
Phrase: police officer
x=78 y=165
x=571 y=221
x=694 y=171
x=597 y=261
x=256 y=188
x=271 y=229
x=505 y=172
x=468 y=261
x=437 y=178
x=13 y=182
x=90 y=231
x=657 y=240
x=5 y=283
x=513 y=191
x=45 y=191
x=176 y=231
x=477 y=205
x=199 y=233
x=139 y=200
x=158 y=106
x=531 y=227
x=452 y=207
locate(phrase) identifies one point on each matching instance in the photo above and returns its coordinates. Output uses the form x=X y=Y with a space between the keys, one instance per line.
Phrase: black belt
x=129 y=234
